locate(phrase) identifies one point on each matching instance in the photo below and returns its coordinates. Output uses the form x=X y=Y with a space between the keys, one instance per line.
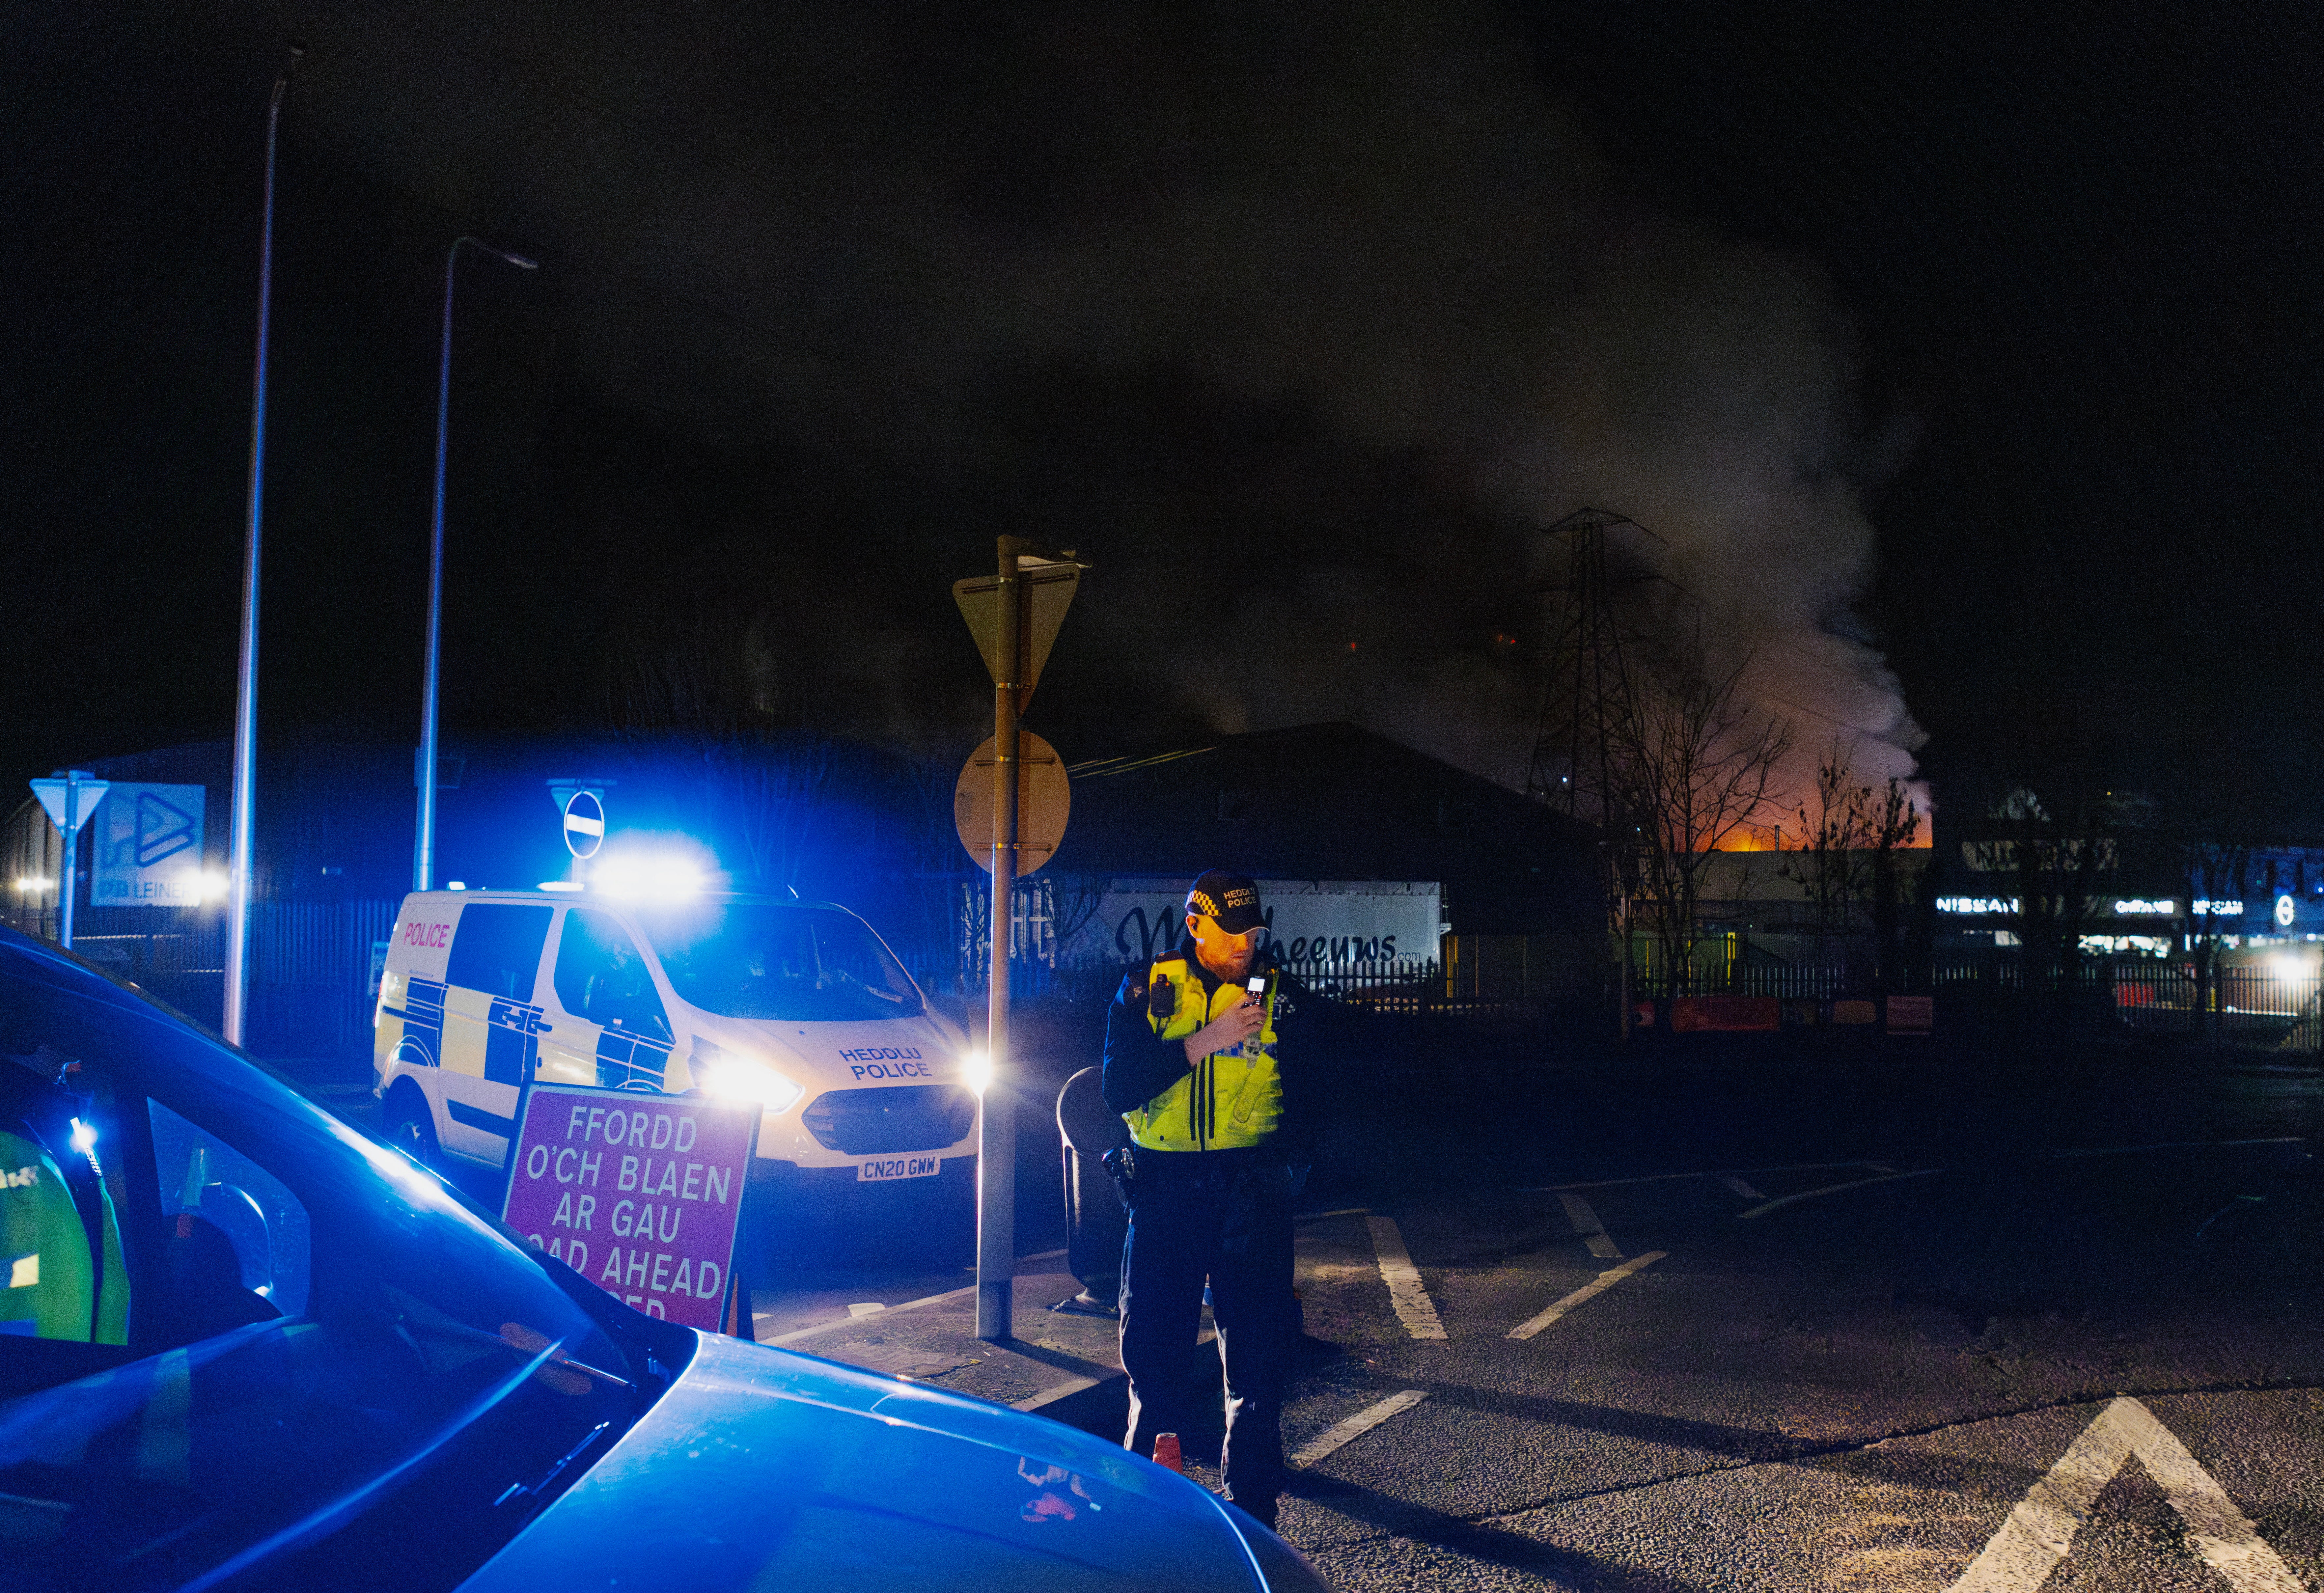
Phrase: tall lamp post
x=245 y=689
x=423 y=770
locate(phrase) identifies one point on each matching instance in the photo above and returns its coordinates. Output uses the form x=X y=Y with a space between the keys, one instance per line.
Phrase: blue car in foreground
x=243 y=1345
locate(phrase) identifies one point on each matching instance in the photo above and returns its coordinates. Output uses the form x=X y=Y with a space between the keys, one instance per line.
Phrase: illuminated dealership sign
x=2129 y=906
x=1976 y=903
x=2286 y=910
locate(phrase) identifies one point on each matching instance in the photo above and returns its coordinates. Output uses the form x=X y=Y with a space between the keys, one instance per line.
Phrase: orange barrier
x=1698 y=1014
x=1911 y=1015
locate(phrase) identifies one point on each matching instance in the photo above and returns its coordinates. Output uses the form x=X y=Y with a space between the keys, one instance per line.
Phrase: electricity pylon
x=1587 y=695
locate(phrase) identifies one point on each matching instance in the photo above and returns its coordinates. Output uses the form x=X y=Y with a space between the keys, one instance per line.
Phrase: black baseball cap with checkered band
x=1228 y=899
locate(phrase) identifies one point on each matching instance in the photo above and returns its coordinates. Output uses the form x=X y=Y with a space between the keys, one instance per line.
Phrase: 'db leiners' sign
x=642 y=1195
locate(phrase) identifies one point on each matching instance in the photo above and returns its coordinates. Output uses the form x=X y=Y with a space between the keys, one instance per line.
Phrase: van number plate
x=886 y=1168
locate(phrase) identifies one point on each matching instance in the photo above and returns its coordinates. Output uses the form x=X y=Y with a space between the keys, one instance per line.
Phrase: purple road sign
x=639 y=1193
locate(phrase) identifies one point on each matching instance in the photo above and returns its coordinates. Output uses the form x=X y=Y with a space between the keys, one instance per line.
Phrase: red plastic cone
x=1167 y=1453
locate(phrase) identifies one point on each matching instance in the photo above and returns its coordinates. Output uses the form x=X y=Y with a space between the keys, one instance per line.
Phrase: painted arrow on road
x=2040 y=1531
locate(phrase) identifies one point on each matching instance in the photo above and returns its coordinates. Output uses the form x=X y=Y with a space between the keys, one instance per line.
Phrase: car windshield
x=242 y=1342
x=767 y=960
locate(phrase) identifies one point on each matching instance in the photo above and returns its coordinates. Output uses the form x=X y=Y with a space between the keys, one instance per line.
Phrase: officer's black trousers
x=1223 y=1217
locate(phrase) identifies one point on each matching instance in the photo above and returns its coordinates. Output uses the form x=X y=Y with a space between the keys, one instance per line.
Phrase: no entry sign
x=639 y=1193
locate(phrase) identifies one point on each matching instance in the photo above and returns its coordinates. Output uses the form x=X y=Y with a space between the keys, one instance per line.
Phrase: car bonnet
x=767 y=1468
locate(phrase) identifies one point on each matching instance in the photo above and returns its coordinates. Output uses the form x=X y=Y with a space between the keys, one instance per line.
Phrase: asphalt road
x=1852 y=1391
x=1860 y=1322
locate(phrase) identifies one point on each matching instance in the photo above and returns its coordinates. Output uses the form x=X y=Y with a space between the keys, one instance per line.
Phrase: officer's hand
x=1238 y=1024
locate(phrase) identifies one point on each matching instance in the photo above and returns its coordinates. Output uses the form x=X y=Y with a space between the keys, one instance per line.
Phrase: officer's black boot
x=1259 y=1510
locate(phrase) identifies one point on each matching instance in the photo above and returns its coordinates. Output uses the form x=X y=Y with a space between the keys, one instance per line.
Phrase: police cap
x=1229 y=899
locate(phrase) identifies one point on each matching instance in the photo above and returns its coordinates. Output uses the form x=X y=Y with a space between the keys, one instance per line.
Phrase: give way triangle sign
x=81 y=794
x=2040 y=1531
x=1049 y=589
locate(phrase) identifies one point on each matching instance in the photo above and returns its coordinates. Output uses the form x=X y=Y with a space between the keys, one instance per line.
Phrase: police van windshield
x=767 y=960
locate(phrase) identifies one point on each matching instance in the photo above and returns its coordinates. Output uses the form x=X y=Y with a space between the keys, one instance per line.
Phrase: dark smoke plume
x=1300 y=320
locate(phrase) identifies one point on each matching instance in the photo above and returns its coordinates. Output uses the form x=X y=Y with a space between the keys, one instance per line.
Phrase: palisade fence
x=1402 y=984
x=2268 y=1005
x=1513 y=976
x=310 y=992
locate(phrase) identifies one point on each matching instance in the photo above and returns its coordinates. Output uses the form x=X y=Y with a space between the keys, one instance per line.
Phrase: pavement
x=932 y=1339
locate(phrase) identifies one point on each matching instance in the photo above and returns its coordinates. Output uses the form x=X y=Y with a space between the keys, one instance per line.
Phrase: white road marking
x=1591 y=1231
x=865 y=1308
x=1587 y=1292
x=1342 y=1211
x=1880 y=1167
x=2041 y=1529
x=1809 y=1195
x=1741 y=1187
x=1413 y=1307
x=1356 y=1426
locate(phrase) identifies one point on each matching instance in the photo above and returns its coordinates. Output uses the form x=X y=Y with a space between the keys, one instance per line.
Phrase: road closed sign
x=642 y=1195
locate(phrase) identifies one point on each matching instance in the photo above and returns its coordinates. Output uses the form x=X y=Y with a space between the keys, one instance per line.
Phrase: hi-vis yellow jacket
x=54 y=1288
x=1231 y=1098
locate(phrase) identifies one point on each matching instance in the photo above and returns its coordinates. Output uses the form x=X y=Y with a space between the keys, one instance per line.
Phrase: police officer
x=1195 y=1064
x=60 y=1244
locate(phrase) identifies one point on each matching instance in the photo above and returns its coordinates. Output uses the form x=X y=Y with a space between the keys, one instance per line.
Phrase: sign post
x=1014 y=635
x=69 y=795
x=1044 y=801
x=640 y=1193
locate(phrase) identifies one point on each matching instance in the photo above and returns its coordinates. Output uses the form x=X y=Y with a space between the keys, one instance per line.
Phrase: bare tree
x=2216 y=863
x=2057 y=859
x=1895 y=823
x=768 y=795
x=939 y=867
x=1829 y=863
x=1847 y=856
x=1693 y=769
x=718 y=677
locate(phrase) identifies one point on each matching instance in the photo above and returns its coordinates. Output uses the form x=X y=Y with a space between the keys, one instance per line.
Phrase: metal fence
x=2246 y=1004
x=1413 y=985
x=310 y=994
x=2271 y=1004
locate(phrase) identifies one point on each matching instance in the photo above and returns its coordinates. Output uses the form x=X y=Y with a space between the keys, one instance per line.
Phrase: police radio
x=1258 y=988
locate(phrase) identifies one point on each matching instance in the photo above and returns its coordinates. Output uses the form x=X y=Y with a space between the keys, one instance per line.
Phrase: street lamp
x=423 y=850
x=244 y=816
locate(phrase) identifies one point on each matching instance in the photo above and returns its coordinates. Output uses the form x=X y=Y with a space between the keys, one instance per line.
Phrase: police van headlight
x=719 y=1071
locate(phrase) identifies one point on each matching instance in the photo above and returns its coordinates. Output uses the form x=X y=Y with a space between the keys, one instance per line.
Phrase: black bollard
x=1095 y=1223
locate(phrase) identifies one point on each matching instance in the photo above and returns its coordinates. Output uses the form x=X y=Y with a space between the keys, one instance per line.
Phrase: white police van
x=797 y=1005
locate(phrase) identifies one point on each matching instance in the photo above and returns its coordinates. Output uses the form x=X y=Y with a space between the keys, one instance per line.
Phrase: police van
x=798 y=1005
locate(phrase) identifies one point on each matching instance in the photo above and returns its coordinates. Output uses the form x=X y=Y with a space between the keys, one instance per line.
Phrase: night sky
x=1963 y=358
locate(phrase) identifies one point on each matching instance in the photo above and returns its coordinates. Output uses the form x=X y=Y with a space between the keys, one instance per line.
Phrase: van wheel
x=410 y=1129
